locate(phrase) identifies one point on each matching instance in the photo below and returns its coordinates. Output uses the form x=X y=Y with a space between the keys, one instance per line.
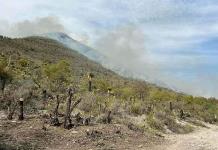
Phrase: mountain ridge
x=75 y=45
x=100 y=58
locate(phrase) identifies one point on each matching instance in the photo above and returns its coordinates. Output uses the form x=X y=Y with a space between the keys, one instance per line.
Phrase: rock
x=93 y=133
x=140 y=146
x=54 y=121
x=159 y=134
x=74 y=132
x=78 y=118
x=3 y=115
x=133 y=127
x=44 y=128
x=86 y=121
x=100 y=143
x=118 y=132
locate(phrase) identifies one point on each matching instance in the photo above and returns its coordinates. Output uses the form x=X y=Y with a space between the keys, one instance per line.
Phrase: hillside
x=138 y=109
x=98 y=56
x=77 y=46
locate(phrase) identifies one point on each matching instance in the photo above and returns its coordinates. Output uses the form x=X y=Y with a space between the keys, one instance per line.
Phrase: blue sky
x=173 y=41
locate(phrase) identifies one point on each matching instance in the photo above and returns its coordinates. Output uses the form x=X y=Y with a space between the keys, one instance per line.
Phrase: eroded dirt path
x=201 y=139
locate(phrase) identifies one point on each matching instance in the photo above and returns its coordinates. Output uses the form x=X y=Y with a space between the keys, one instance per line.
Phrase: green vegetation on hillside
x=30 y=65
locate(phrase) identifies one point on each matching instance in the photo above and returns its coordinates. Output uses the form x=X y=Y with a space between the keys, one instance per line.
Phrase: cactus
x=90 y=76
x=11 y=109
x=21 y=117
x=54 y=119
x=171 y=106
x=181 y=114
x=67 y=120
x=44 y=97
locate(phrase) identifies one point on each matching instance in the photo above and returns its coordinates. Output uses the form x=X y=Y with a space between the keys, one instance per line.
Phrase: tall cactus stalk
x=2 y=83
x=54 y=118
x=11 y=109
x=67 y=120
x=90 y=76
x=57 y=106
x=44 y=97
x=21 y=117
x=171 y=106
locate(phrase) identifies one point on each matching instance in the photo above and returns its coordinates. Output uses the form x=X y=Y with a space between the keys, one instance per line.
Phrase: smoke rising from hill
x=32 y=27
x=129 y=50
x=126 y=49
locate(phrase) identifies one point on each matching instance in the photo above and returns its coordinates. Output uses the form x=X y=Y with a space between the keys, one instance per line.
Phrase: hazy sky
x=173 y=41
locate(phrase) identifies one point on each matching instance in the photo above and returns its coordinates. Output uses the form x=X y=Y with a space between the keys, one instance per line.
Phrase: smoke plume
x=31 y=27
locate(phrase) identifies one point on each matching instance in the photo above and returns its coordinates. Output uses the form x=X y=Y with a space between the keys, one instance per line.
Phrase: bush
x=177 y=127
x=136 y=108
x=90 y=104
x=154 y=123
x=23 y=62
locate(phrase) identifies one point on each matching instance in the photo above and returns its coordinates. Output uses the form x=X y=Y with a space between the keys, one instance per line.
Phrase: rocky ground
x=29 y=134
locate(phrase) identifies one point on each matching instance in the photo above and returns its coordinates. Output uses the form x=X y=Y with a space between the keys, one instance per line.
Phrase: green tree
x=58 y=75
x=5 y=72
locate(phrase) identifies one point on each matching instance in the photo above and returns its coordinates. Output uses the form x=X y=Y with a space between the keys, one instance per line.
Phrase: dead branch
x=75 y=104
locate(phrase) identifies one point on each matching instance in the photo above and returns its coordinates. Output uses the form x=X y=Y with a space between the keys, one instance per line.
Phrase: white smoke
x=31 y=27
x=126 y=49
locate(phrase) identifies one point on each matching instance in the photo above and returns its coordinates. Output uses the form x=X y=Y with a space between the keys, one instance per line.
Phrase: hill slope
x=39 y=51
x=77 y=46
x=35 y=64
x=97 y=56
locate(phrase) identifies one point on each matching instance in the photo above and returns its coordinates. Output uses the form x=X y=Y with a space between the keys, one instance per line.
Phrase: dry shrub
x=168 y=119
x=90 y=104
x=154 y=123
x=175 y=127
x=136 y=108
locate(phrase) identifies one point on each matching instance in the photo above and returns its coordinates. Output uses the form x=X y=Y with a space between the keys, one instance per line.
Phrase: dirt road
x=201 y=139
